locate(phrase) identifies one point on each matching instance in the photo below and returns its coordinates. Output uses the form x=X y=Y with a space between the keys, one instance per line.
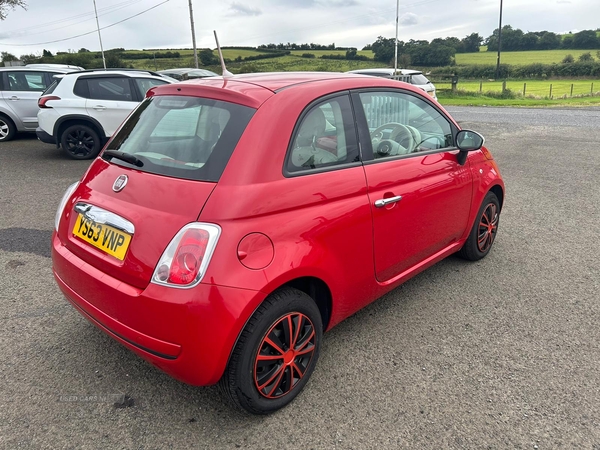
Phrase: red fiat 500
x=230 y=221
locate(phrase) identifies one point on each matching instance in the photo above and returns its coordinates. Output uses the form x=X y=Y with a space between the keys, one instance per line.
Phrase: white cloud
x=239 y=9
x=351 y=23
x=408 y=19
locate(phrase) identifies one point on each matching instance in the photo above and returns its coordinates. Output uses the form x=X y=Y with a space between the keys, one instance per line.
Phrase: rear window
x=52 y=86
x=419 y=79
x=182 y=137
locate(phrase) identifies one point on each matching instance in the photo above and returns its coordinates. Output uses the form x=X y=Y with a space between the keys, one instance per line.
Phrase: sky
x=347 y=23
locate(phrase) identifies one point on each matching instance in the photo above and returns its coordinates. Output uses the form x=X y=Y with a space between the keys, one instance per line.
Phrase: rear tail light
x=184 y=262
x=63 y=203
x=43 y=100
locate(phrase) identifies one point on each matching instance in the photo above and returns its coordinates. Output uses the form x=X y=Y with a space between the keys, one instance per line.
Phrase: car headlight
x=63 y=202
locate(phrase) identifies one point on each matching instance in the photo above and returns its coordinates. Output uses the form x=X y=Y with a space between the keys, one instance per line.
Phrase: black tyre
x=81 y=142
x=275 y=354
x=483 y=234
x=8 y=129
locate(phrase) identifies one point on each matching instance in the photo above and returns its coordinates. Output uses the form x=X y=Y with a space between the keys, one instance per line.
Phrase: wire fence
x=536 y=89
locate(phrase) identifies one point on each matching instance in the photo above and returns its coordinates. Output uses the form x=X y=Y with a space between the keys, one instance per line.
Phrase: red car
x=231 y=221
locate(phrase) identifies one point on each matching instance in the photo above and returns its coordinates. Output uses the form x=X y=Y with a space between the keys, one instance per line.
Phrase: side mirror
x=468 y=141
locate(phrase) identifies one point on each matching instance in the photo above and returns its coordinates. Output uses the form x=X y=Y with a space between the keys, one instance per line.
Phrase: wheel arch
x=316 y=289
x=64 y=122
x=6 y=115
x=499 y=192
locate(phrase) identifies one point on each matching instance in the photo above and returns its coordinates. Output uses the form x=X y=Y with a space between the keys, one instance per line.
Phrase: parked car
x=187 y=73
x=226 y=226
x=20 y=88
x=414 y=77
x=82 y=110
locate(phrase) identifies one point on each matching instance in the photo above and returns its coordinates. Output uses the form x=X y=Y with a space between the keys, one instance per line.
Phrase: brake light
x=186 y=258
x=43 y=100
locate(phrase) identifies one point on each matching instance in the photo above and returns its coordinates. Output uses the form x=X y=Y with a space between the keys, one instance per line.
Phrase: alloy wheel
x=80 y=143
x=488 y=226
x=284 y=355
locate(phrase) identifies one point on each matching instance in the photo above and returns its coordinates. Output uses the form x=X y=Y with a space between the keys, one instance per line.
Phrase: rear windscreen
x=183 y=137
x=419 y=79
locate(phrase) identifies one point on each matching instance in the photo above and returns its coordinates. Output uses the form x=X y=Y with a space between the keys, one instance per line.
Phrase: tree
x=207 y=57
x=586 y=57
x=529 y=41
x=47 y=54
x=383 y=49
x=567 y=42
x=548 y=41
x=6 y=57
x=471 y=43
x=568 y=59
x=30 y=59
x=5 y=5
x=586 y=39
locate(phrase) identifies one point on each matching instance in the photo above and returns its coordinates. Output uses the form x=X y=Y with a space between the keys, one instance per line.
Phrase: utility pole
x=99 y=36
x=396 y=41
x=499 y=43
x=193 y=35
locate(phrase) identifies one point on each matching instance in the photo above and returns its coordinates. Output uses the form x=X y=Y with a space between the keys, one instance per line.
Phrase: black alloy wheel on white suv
x=81 y=142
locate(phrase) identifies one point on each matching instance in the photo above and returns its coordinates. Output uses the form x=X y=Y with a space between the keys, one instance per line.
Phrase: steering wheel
x=406 y=136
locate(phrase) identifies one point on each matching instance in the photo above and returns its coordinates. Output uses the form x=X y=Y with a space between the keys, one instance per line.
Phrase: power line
x=104 y=11
x=89 y=32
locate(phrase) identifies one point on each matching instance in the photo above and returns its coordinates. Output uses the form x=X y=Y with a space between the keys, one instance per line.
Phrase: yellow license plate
x=106 y=238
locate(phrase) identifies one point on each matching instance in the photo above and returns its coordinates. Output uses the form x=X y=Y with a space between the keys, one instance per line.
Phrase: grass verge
x=465 y=98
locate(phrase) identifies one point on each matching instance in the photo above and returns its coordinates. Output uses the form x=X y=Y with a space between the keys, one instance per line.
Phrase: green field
x=520 y=58
x=536 y=88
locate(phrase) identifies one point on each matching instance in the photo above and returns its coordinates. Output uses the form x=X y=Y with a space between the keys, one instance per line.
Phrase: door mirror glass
x=468 y=141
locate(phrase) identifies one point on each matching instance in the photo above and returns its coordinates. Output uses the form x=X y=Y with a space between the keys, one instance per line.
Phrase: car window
x=183 y=137
x=402 y=124
x=325 y=137
x=26 y=81
x=419 y=79
x=105 y=88
x=144 y=84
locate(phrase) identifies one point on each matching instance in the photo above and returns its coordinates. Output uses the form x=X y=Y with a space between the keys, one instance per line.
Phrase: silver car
x=20 y=89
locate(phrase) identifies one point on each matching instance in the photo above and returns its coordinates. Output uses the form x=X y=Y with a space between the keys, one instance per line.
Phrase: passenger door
x=110 y=99
x=420 y=196
x=21 y=92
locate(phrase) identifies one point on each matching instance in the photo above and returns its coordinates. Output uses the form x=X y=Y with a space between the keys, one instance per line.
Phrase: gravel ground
x=501 y=353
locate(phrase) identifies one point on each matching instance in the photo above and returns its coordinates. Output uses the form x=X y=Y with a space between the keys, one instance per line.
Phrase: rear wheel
x=483 y=234
x=7 y=129
x=80 y=142
x=275 y=354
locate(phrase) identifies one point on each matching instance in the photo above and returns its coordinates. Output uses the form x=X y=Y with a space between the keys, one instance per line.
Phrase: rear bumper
x=188 y=333
x=45 y=137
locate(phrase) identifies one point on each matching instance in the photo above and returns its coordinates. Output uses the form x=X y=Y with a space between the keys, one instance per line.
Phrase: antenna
x=226 y=73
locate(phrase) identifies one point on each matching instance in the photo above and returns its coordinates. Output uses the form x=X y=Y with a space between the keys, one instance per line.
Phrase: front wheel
x=80 y=142
x=483 y=234
x=275 y=354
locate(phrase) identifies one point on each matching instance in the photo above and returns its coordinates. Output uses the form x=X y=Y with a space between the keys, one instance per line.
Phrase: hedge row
x=537 y=70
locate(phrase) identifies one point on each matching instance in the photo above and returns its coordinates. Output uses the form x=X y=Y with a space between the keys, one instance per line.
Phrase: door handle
x=99 y=107
x=387 y=201
x=14 y=97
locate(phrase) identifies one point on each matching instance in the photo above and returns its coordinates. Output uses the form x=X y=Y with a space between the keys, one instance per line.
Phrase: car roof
x=254 y=89
x=111 y=72
x=386 y=70
x=39 y=69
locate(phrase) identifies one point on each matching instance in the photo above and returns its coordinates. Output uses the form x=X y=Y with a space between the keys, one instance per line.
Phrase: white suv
x=20 y=88
x=81 y=111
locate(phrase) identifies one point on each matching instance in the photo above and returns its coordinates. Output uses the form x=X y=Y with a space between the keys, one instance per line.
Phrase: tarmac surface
x=501 y=353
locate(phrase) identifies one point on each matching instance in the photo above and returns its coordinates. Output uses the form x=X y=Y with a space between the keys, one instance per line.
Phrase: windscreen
x=182 y=137
x=419 y=79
